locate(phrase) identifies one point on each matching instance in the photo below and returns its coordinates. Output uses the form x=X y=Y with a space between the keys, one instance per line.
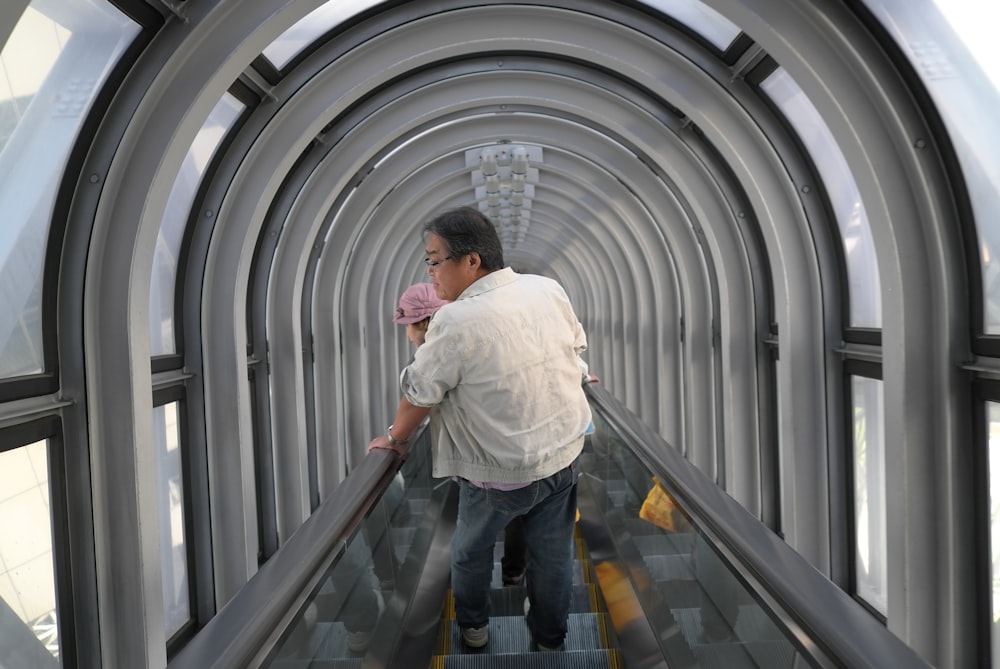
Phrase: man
x=500 y=365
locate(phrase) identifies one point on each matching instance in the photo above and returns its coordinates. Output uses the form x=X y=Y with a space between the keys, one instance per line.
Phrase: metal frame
x=844 y=69
x=620 y=228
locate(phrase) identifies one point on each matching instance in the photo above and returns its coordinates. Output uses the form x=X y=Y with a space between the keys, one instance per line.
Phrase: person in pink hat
x=416 y=306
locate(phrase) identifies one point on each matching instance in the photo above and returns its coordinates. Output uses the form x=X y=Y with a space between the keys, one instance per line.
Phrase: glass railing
x=713 y=586
x=321 y=594
x=688 y=577
x=686 y=603
x=358 y=608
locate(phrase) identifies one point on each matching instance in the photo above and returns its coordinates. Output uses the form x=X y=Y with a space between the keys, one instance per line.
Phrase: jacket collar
x=500 y=277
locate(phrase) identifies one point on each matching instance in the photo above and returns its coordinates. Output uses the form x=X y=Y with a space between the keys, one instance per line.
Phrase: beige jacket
x=501 y=365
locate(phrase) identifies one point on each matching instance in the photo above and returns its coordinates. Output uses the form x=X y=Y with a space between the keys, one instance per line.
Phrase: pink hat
x=417 y=303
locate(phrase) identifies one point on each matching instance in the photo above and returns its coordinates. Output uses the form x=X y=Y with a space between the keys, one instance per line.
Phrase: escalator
x=691 y=581
x=387 y=601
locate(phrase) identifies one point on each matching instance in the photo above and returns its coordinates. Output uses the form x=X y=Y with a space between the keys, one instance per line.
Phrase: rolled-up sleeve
x=434 y=369
x=420 y=390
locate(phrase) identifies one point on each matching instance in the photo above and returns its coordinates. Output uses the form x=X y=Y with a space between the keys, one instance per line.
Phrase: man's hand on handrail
x=382 y=442
x=397 y=435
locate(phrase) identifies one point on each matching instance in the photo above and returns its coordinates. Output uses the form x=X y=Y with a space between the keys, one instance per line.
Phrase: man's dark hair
x=466 y=230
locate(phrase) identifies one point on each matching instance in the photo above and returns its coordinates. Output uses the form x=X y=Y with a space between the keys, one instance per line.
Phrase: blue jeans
x=549 y=510
x=513 y=562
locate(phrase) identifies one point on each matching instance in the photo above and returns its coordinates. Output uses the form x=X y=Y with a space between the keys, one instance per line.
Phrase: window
x=53 y=65
x=869 y=513
x=175 y=547
x=163 y=284
x=859 y=248
x=325 y=17
x=701 y=18
x=952 y=47
x=993 y=475
x=27 y=564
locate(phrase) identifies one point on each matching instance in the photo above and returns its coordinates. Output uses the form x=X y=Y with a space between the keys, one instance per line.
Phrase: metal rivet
x=920 y=143
x=806 y=189
x=94 y=178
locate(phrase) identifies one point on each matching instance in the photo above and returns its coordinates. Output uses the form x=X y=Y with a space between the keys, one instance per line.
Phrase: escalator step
x=777 y=654
x=587 y=659
x=751 y=638
x=580 y=575
x=509 y=634
x=509 y=601
x=659 y=542
x=669 y=567
x=342 y=663
x=722 y=656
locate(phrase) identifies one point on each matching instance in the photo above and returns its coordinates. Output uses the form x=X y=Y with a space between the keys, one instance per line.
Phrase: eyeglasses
x=435 y=263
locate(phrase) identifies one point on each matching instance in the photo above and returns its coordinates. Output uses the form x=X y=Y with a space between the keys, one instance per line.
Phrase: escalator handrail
x=833 y=620
x=244 y=631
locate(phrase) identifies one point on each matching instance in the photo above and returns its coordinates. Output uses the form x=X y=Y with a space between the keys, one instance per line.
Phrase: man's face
x=450 y=275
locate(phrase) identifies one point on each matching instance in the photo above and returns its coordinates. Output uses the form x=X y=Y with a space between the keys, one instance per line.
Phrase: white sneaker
x=476 y=637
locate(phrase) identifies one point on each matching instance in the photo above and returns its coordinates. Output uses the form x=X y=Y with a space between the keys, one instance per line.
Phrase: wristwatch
x=392 y=441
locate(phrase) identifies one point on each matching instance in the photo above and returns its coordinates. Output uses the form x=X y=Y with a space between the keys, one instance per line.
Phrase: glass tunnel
x=775 y=219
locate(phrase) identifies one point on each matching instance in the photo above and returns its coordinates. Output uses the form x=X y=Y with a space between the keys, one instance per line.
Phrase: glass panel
x=312 y=26
x=28 y=630
x=871 y=582
x=859 y=248
x=701 y=18
x=162 y=286
x=173 y=546
x=340 y=620
x=656 y=573
x=53 y=64
x=338 y=623
x=952 y=45
x=680 y=582
x=993 y=430
x=782 y=475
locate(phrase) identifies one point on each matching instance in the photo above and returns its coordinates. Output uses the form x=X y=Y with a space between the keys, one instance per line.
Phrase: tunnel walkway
x=659 y=581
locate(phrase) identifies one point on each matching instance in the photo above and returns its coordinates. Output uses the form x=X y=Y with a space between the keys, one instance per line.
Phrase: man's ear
x=475 y=262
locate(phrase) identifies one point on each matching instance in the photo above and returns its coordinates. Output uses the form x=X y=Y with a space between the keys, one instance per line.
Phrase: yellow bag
x=658 y=507
x=619 y=595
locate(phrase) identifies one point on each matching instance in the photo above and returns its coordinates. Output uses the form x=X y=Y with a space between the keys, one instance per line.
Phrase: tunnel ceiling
x=660 y=185
x=392 y=110
x=627 y=198
x=590 y=100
